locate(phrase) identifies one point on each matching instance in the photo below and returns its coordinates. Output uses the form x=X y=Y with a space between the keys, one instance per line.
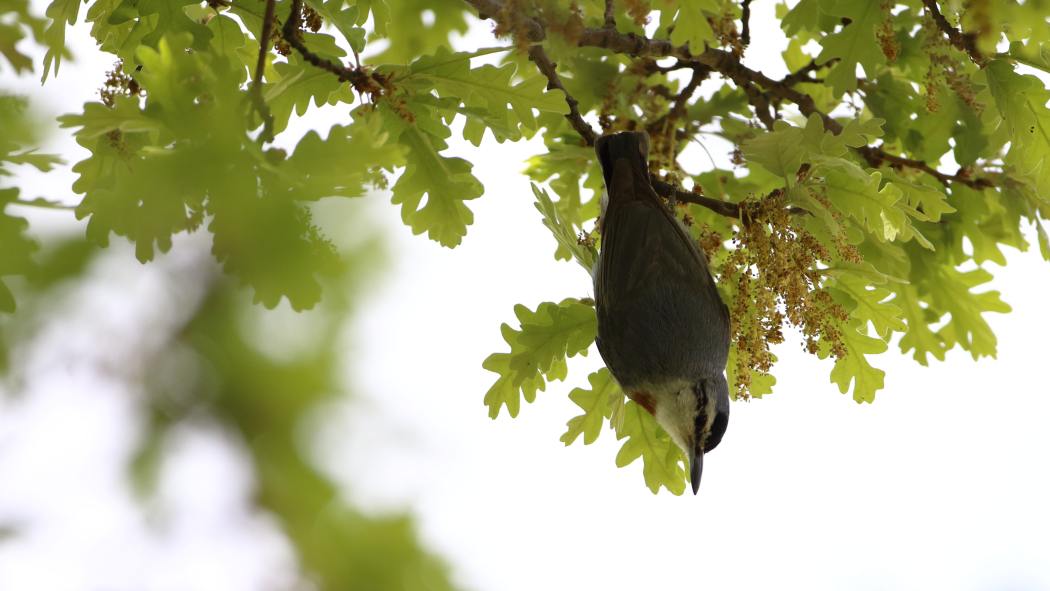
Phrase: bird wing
x=643 y=243
x=656 y=293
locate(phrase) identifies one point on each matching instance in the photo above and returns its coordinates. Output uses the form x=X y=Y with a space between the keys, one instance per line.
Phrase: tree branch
x=681 y=100
x=729 y=66
x=965 y=42
x=670 y=191
x=876 y=157
x=547 y=68
x=362 y=80
x=725 y=208
x=260 y=66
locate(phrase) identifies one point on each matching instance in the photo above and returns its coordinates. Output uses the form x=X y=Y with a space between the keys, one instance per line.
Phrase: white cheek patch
x=676 y=412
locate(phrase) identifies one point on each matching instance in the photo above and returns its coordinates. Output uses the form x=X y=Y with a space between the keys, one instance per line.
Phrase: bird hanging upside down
x=663 y=330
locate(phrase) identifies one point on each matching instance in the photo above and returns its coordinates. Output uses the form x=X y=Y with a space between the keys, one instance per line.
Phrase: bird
x=663 y=329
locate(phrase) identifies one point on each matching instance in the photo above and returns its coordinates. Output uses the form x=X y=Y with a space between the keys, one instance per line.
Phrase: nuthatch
x=663 y=330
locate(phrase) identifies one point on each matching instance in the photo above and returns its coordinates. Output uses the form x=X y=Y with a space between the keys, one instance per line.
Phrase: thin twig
x=670 y=191
x=260 y=66
x=681 y=100
x=965 y=42
x=802 y=74
x=745 y=17
x=725 y=208
x=760 y=102
x=876 y=157
x=610 y=14
x=362 y=80
x=547 y=68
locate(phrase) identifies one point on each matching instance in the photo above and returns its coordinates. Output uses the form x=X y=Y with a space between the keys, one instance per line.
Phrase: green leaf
x=488 y=92
x=858 y=195
x=16 y=248
x=919 y=338
x=144 y=197
x=924 y=202
x=854 y=366
x=564 y=233
x=409 y=36
x=168 y=17
x=344 y=18
x=296 y=84
x=690 y=22
x=950 y=291
x=380 y=14
x=151 y=169
x=869 y=303
x=1044 y=241
x=11 y=34
x=565 y=167
x=344 y=162
x=1022 y=102
x=270 y=243
x=783 y=150
x=804 y=16
x=98 y=119
x=538 y=351
x=598 y=404
x=227 y=36
x=663 y=463
x=41 y=162
x=446 y=182
x=780 y=151
x=61 y=13
x=854 y=44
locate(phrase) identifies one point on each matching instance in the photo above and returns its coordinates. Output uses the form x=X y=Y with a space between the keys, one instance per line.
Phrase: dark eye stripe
x=701 y=404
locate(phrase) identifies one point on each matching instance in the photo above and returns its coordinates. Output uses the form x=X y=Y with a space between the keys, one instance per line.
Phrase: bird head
x=695 y=416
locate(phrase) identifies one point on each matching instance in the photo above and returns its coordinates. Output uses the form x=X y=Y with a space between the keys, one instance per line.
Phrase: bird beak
x=696 y=469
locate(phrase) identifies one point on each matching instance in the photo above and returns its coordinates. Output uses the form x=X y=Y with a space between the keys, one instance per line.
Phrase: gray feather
x=660 y=316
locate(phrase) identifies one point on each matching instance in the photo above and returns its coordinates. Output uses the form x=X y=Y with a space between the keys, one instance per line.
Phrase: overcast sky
x=940 y=484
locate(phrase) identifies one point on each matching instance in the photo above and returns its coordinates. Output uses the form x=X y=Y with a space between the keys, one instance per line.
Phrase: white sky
x=940 y=484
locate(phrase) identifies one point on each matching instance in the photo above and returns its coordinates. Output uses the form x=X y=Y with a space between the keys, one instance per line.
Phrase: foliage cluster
x=866 y=188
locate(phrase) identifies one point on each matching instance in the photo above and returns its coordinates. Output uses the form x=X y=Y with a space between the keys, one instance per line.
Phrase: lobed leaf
x=854 y=367
x=598 y=403
x=663 y=463
x=538 y=351
x=565 y=233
